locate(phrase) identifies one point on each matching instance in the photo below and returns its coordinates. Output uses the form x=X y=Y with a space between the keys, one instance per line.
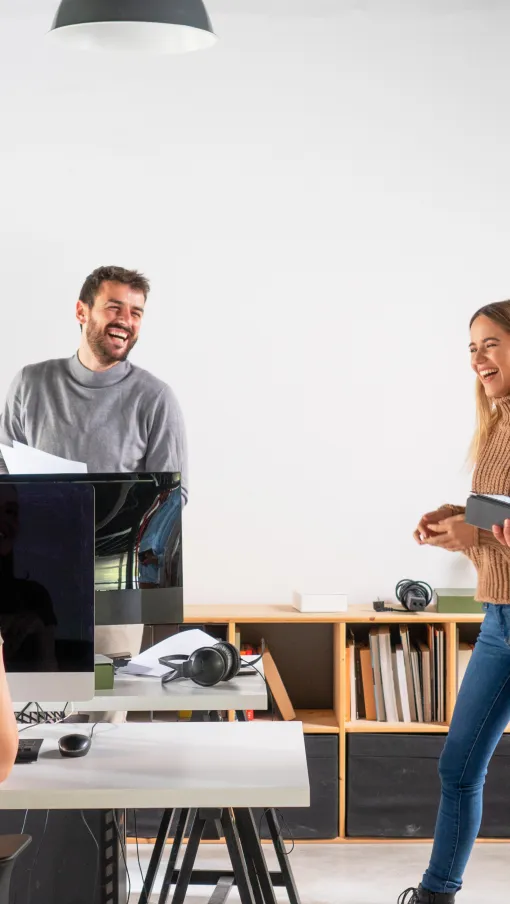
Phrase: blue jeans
x=156 y=537
x=481 y=714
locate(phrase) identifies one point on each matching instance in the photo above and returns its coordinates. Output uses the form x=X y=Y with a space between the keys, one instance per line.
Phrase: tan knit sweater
x=492 y=476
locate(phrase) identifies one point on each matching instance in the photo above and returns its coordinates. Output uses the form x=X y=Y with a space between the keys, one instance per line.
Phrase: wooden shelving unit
x=336 y=719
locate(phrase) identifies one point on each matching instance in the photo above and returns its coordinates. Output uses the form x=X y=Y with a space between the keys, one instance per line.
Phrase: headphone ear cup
x=232 y=657
x=207 y=666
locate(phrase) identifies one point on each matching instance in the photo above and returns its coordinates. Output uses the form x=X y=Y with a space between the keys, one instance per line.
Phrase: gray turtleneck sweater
x=122 y=419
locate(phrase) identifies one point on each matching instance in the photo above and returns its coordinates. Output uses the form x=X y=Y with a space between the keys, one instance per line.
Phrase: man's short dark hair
x=93 y=283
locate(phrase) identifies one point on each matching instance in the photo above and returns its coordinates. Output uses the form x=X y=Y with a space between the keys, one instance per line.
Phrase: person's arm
x=167 y=445
x=11 y=424
x=8 y=725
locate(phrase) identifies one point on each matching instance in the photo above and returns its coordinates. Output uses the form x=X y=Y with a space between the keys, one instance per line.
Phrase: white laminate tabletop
x=183 y=764
x=134 y=693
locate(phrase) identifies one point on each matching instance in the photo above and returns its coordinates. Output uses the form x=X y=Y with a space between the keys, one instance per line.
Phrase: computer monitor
x=47 y=579
x=138 y=545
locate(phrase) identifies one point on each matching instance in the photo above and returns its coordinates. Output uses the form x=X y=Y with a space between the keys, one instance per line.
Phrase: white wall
x=321 y=203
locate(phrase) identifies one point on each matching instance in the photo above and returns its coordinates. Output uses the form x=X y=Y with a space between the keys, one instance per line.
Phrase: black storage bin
x=393 y=787
x=319 y=820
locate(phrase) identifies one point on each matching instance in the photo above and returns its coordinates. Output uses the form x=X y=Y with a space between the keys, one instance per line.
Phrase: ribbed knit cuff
x=455 y=509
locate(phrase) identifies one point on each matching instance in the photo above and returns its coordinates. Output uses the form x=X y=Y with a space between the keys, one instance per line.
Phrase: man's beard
x=100 y=344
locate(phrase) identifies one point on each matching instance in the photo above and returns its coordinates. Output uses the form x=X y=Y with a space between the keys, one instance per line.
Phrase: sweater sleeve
x=11 y=420
x=454 y=509
x=167 y=444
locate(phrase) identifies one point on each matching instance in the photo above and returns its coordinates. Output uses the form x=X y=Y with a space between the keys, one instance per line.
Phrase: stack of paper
x=22 y=459
x=185 y=642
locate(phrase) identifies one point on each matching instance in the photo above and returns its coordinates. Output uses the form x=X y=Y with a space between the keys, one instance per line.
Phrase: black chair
x=11 y=846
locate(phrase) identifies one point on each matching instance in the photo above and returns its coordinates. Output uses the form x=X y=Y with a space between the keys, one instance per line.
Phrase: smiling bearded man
x=97 y=407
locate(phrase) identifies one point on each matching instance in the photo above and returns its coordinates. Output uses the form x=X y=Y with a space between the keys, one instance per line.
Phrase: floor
x=356 y=874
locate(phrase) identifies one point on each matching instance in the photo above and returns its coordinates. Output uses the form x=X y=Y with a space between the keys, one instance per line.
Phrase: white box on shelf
x=320 y=602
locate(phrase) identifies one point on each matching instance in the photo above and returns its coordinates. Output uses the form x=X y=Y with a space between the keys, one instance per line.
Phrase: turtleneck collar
x=98 y=379
x=503 y=407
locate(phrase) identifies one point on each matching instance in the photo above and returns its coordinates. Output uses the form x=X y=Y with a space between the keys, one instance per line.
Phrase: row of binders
x=402 y=681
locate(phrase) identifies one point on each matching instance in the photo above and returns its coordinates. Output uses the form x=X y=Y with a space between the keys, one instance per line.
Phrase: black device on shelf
x=414 y=596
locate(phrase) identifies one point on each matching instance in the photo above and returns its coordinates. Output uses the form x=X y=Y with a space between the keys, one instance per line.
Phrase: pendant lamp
x=153 y=26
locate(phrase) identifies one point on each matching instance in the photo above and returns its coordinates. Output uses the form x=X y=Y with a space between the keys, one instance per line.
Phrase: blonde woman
x=482 y=710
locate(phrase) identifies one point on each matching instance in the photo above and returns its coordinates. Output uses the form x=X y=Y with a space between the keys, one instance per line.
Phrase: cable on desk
x=282 y=817
x=123 y=851
x=138 y=857
x=23 y=716
x=34 y=862
x=46 y=722
x=94 y=839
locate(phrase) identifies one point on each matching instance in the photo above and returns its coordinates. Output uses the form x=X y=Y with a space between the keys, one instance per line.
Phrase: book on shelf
x=277 y=688
x=464 y=651
x=399 y=679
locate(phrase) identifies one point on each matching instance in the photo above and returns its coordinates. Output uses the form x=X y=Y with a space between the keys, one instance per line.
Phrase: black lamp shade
x=173 y=26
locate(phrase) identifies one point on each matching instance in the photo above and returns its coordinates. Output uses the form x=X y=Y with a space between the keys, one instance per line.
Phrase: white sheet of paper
x=22 y=459
x=184 y=642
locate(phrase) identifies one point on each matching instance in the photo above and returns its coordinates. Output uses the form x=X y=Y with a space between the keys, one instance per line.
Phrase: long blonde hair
x=486 y=411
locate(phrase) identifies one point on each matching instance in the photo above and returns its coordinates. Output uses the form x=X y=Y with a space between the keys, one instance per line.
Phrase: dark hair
x=93 y=283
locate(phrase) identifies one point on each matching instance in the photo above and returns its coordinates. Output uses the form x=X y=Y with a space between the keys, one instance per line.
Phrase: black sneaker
x=421 y=895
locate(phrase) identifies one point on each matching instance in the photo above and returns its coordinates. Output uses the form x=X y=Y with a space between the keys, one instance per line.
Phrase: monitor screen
x=47 y=579
x=138 y=545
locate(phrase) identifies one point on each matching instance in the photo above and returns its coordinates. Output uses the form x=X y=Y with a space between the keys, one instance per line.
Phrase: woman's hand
x=453 y=534
x=422 y=532
x=502 y=534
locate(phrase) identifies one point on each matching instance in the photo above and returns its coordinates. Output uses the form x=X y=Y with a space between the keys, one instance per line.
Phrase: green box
x=103 y=669
x=458 y=601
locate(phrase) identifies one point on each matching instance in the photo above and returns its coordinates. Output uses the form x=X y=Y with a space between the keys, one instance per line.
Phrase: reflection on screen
x=47 y=576
x=138 y=532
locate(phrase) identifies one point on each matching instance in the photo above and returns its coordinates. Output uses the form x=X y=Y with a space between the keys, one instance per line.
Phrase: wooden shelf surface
x=253 y=614
x=363 y=725
x=315 y=721
x=318 y=721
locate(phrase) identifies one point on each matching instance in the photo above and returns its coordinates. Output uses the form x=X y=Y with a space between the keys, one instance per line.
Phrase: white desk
x=171 y=765
x=133 y=693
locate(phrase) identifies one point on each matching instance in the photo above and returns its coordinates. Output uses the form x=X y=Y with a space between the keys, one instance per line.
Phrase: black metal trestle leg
x=237 y=857
x=156 y=857
x=188 y=860
x=283 y=859
x=254 y=855
x=174 y=853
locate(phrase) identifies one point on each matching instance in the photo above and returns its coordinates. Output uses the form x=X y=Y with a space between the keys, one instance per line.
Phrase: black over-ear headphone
x=207 y=666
